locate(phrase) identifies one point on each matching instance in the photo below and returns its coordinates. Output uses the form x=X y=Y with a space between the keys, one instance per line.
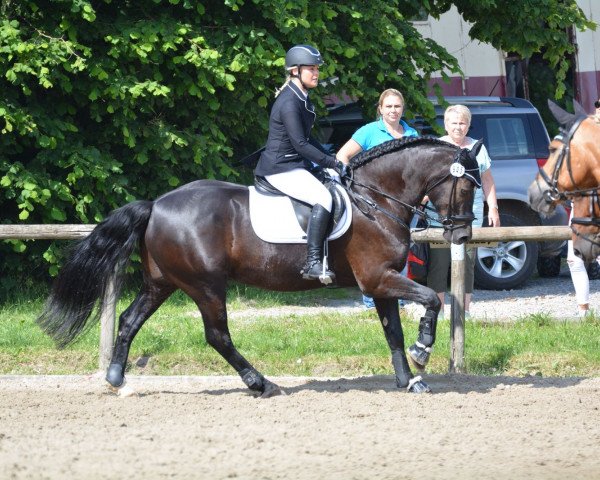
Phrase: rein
x=450 y=222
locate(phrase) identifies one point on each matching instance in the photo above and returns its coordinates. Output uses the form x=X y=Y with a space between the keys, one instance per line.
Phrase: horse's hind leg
x=387 y=309
x=211 y=303
x=131 y=320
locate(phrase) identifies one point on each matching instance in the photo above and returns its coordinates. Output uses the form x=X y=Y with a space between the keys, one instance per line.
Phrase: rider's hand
x=341 y=168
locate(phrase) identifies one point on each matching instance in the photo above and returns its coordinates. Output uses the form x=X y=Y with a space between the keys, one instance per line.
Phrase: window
x=420 y=16
x=507 y=137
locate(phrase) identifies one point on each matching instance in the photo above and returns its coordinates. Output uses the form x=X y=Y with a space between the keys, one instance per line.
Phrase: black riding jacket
x=289 y=144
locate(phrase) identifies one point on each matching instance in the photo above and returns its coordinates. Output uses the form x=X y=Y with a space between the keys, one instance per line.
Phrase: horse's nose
x=459 y=236
x=463 y=235
x=460 y=239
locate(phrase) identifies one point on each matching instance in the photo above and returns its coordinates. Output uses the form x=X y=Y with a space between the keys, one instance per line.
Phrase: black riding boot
x=315 y=235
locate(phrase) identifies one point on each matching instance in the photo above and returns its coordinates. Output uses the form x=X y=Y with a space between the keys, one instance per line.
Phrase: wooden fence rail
x=481 y=236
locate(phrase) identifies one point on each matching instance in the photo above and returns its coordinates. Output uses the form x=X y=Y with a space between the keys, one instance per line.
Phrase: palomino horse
x=572 y=172
x=199 y=237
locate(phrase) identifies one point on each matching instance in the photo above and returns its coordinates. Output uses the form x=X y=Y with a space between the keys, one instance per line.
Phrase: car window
x=334 y=137
x=508 y=137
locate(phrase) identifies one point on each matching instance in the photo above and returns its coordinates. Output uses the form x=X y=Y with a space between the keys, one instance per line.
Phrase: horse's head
x=453 y=193
x=573 y=164
x=585 y=225
x=543 y=192
x=408 y=169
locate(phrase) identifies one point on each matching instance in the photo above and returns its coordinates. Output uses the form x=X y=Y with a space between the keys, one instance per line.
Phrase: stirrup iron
x=325 y=278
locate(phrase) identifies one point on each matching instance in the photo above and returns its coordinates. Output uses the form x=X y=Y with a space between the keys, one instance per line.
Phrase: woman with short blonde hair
x=457 y=120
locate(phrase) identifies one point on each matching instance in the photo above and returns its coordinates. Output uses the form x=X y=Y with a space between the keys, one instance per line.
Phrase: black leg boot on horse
x=421 y=350
x=315 y=237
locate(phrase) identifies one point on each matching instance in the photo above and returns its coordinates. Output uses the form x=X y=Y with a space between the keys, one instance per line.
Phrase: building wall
x=588 y=57
x=482 y=64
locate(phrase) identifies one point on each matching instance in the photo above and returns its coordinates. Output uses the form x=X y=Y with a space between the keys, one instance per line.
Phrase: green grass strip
x=172 y=342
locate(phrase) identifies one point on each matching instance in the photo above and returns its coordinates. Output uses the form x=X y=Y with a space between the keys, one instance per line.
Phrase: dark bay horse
x=199 y=237
x=572 y=172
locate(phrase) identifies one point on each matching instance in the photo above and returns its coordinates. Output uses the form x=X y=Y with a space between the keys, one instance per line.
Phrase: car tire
x=548 y=267
x=509 y=264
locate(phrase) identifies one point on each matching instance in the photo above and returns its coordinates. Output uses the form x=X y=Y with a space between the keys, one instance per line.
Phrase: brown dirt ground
x=73 y=427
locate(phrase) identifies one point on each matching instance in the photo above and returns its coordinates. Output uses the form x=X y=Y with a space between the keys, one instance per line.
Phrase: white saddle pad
x=274 y=220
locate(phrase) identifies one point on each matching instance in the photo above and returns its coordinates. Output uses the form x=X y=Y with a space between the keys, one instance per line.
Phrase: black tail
x=83 y=280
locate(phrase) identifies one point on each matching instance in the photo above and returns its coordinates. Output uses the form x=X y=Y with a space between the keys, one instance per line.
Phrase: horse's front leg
x=392 y=284
x=420 y=351
x=389 y=315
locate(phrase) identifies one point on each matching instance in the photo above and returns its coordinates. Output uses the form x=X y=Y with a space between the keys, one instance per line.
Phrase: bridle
x=553 y=194
x=450 y=221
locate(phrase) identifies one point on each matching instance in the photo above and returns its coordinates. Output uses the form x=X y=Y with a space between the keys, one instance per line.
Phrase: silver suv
x=517 y=141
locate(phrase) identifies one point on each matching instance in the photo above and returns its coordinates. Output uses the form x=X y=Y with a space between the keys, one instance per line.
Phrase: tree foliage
x=105 y=101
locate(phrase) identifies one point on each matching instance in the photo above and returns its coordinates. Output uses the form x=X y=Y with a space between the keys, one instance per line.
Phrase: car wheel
x=549 y=266
x=509 y=264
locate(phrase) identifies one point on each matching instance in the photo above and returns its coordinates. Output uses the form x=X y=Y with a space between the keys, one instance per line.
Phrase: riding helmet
x=302 y=55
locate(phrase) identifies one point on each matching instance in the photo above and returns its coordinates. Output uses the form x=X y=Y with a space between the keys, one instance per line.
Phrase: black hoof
x=419 y=356
x=271 y=390
x=416 y=385
x=114 y=375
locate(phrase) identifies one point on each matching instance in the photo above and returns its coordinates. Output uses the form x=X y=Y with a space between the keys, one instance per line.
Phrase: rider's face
x=309 y=74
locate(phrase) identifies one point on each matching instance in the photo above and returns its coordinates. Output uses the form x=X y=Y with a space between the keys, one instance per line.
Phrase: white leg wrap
x=420 y=345
x=412 y=381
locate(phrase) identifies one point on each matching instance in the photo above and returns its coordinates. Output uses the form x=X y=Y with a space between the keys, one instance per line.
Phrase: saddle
x=278 y=218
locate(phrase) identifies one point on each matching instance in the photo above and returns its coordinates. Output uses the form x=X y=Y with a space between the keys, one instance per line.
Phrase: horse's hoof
x=417 y=385
x=126 y=391
x=123 y=391
x=419 y=355
x=114 y=375
x=271 y=390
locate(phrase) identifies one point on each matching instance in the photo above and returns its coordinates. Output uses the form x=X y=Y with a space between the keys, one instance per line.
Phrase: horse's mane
x=393 y=146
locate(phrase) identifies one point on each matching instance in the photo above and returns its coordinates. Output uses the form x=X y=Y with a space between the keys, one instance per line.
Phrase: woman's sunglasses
x=597 y=104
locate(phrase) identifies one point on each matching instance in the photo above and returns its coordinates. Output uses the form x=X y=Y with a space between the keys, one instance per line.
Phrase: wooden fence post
x=457 y=309
x=107 y=325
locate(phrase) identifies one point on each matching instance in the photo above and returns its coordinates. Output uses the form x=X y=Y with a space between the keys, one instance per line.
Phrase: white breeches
x=302 y=185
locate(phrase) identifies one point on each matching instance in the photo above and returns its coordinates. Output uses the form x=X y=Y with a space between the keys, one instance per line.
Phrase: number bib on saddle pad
x=275 y=220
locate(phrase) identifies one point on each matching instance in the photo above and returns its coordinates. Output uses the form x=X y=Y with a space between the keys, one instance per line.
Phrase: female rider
x=289 y=151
